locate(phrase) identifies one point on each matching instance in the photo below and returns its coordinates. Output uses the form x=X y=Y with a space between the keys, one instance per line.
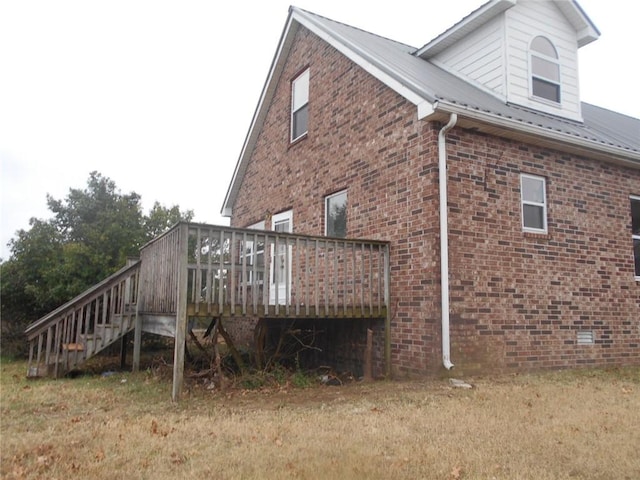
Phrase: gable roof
x=584 y=27
x=436 y=93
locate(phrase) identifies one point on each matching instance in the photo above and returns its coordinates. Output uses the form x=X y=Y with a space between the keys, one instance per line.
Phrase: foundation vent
x=585 y=337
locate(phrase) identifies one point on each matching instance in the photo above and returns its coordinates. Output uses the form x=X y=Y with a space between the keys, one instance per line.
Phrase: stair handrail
x=37 y=327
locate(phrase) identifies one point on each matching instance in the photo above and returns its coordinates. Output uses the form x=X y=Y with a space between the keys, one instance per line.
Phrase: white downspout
x=444 y=240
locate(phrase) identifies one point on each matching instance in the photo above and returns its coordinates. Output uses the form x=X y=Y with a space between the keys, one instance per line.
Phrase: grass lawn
x=582 y=424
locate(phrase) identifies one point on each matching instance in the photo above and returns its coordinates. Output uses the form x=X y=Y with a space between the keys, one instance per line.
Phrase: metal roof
x=600 y=125
x=602 y=133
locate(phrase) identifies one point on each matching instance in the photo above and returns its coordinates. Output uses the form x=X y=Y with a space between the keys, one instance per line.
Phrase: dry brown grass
x=574 y=425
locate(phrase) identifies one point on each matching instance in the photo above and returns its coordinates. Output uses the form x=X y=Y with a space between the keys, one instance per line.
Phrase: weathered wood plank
x=181 y=316
x=208 y=270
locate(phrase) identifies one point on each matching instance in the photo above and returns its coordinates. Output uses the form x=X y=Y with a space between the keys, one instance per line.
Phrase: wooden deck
x=200 y=270
x=290 y=311
x=238 y=272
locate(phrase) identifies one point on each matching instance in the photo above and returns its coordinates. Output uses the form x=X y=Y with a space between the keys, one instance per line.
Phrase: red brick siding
x=516 y=299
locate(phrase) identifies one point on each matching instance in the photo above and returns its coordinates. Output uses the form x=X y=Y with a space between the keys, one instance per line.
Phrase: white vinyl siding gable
x=525 y=21
x=478 y=56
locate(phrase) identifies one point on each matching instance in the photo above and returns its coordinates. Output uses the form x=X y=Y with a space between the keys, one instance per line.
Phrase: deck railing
x=85 y=325
x=243 y=272
x=214 y=271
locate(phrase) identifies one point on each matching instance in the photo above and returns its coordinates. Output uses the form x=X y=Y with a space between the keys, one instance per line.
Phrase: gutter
x=622 y=156
x=444 y=241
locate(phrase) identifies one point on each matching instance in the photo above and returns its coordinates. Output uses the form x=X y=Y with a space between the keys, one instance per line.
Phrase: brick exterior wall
x=517 y=300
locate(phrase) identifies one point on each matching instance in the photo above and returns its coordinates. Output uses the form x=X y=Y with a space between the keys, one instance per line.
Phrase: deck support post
x=123 y=351
x=387 y=320
x=137 y=342
x=181 y=314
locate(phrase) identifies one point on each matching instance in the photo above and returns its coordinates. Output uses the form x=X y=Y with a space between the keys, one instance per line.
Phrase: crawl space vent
x=585 y=337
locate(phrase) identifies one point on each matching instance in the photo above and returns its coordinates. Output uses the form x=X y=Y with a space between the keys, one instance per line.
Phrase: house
x=511 y=208
x=407 y=209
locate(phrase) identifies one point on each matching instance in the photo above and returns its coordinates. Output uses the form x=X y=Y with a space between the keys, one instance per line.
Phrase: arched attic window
x=545 y=70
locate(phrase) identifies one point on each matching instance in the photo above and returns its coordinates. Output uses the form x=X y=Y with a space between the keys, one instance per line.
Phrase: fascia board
x=626 y=157
x=344 y=46
x=464 y=26
x=260 y=113
x=586 y=30
x=401 y=85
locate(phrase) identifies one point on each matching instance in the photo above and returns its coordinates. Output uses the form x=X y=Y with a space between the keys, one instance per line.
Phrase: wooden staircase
x=65 y=338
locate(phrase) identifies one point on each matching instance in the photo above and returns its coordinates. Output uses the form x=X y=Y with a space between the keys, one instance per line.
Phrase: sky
x=158 y=95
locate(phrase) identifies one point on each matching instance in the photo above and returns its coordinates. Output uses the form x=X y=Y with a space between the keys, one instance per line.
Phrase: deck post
x=123 y=351
x=137 y=330
x=137 y=341
x=181 y=313
x=387 y=320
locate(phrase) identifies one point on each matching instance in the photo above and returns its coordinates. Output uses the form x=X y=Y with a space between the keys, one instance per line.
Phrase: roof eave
x=297 y=17
x=585 y=29
x=359 y=56
x=489 y=122
x=260 y=112
x=467 y=24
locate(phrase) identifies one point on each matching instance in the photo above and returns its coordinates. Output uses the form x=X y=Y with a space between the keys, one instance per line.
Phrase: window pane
x=635 y=217
x=544 y=89
x=282 y=226
x=532 y=190
x=336 y=215
x=533 y=216
x=545 y=68
x=636 y=253
x=544 y=46
x=300 y=122
x=301 y=91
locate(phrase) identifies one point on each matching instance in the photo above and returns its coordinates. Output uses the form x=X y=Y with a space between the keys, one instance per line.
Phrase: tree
x=100 y=225
x=161 y=219
x=92 y=233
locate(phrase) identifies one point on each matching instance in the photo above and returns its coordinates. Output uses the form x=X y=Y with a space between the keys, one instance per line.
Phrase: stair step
x=39 y=372
x=91 y=337
x=73 y=347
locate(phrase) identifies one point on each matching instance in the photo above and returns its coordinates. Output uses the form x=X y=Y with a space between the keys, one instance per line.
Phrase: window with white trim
x=336 y=215
x=635 y=233
x=254 y=253
x=300 y=105
x=534 y=203
x=545 y=70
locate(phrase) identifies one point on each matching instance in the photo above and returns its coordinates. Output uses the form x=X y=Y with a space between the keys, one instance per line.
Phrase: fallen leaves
x=156 y=430
x=457 y=473
x=99 y=455
x=178 y=458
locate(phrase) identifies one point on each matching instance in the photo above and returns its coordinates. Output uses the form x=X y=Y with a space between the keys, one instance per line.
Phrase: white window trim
x=326 y=208
x=635 y=237
x=251 y=254
x=524 y=202
x=293 y=109
x=279 y=291
x=555 y=60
